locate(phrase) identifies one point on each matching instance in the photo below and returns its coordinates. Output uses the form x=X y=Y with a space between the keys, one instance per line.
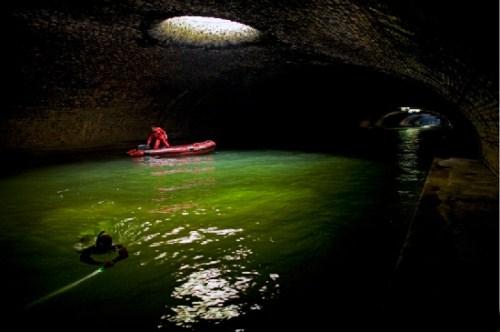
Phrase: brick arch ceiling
x=95 y=46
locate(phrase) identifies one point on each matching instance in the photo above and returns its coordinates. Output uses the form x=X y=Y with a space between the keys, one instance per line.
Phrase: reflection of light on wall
x=204 y=31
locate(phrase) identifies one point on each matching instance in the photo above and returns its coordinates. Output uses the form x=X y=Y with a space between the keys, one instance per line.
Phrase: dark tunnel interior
x=315 y=108
x=323 y=203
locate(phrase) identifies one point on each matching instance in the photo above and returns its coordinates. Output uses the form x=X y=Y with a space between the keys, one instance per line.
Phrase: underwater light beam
x=64 y=289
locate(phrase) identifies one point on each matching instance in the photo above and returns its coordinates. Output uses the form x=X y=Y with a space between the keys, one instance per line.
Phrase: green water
x=228 y=240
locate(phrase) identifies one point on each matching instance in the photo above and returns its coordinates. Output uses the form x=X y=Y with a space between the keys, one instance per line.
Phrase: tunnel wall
x=94 y=67
x=75 y=128
x=79 y=80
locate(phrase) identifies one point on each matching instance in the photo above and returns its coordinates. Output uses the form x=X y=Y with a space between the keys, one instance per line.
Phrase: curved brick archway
x=93 y=63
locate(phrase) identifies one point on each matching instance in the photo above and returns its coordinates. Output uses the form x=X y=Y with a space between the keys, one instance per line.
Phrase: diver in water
x=103 y=245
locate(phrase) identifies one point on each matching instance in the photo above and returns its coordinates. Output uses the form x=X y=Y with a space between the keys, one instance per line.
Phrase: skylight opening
x=204 y=31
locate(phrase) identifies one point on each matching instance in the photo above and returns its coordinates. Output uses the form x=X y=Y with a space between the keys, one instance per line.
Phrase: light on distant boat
x=410 y=110
x=412 y=117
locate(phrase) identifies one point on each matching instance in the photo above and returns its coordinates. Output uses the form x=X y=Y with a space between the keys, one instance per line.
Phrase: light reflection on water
x=212 y=239
x=215 y=293
x=207 y=288
x=408 y=145
x=410 y=173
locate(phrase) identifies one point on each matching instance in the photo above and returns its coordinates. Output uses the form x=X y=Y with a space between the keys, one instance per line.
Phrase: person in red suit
x=159 y=136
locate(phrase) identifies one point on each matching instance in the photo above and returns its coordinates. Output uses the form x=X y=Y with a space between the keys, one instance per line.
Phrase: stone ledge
x=447 y=272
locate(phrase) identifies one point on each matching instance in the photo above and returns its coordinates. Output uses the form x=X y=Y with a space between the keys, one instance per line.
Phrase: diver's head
x=104 y=241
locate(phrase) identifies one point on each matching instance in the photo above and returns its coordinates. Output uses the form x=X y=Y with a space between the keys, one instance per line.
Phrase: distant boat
x=174 y=151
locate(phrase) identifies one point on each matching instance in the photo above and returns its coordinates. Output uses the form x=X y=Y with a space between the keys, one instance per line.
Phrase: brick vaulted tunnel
x=90 y=74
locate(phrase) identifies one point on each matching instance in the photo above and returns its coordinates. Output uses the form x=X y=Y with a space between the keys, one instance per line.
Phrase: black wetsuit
x=86 y=254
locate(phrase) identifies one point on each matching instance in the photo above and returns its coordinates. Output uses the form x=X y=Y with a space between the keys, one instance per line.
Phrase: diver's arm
x=122 y=253
x=86 y=257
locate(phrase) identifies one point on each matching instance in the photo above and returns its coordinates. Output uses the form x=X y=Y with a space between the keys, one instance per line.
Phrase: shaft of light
x=64 y=289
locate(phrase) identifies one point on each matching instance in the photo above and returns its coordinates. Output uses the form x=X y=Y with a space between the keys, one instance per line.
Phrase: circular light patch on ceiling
x=204 y=31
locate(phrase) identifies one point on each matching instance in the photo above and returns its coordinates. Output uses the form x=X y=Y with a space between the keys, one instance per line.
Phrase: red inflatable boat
x=175 y=151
